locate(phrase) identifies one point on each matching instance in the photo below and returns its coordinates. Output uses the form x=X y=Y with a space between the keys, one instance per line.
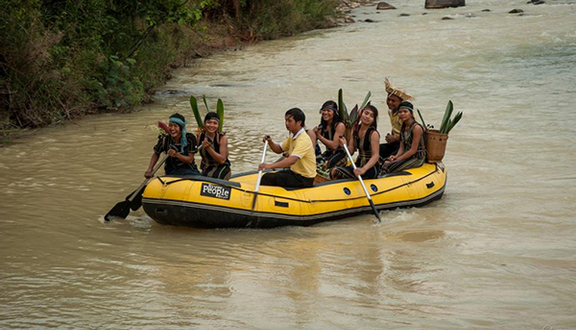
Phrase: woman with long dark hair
x=366 y=139
x=214 y=149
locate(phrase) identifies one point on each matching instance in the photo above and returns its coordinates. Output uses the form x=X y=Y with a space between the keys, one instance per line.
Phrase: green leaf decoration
x=366 y=100
x=205 y=103
x=447 y=126
x=194 y=105
x=422 y=119
x=454 y=122
x=342 y=106
x=446 y=118
x=353 y=115
x=220 y=112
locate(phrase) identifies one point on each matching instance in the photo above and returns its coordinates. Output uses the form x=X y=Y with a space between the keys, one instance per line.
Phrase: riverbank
x=64 y=63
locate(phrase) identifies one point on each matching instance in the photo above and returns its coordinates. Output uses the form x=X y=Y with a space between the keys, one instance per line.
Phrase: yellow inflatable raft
x=202 y=202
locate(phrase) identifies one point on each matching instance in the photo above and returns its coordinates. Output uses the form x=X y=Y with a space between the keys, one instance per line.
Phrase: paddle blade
x=376 y=213
x=254 y=201
x=120 y=210
x=137 y=199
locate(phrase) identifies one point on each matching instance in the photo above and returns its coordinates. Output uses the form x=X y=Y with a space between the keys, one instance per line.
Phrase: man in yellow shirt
x=300 y=155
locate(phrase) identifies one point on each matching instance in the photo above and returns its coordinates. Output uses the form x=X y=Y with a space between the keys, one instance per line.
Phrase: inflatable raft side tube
x=180 y=213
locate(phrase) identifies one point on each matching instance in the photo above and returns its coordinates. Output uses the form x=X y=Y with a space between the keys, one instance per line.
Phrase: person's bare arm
x=416 y=136
x=219 y=157
x=273 y=145
x=153 y=160
x=286 y=162
x=375 y=148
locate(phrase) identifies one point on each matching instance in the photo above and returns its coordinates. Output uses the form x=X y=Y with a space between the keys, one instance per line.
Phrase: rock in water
x=384 y=6
x=172 y=92
x=516 y=11
x=438 y=4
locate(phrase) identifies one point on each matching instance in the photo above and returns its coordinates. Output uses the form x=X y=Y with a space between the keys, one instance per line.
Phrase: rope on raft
x=309 y=201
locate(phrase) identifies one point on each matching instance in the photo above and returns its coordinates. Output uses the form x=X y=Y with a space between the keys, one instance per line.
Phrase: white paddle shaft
x=359 y=177
x=262 y=161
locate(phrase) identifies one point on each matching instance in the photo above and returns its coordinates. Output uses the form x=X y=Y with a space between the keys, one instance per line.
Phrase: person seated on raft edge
x=395 y=97
x=328 y=132
x=300 y=155
x=180 y=147
x=412 y=150
x=366 y=139
x=214 y=151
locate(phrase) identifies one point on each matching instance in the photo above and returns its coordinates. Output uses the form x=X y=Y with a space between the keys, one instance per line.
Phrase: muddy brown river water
x=497 y=252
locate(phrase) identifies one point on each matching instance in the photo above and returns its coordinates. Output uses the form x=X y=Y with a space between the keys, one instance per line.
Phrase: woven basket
x=435 y=145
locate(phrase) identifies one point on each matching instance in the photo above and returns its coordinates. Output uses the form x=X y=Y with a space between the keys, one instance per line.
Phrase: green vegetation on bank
x=61 y=59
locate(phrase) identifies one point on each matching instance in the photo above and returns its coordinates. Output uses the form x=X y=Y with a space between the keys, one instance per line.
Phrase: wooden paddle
x=259 y=175
x=363 y=186
x=132 y=201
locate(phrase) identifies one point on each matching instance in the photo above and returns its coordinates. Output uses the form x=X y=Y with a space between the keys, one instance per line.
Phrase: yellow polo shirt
x=300 y=146
x=396 y=122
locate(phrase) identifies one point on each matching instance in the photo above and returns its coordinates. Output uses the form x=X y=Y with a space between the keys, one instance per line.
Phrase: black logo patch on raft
x=215 y=191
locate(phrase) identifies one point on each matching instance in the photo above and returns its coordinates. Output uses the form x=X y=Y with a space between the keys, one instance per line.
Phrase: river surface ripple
x=498 y=251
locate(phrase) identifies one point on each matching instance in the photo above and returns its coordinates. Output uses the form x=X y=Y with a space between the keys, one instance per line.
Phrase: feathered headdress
x=396 y=91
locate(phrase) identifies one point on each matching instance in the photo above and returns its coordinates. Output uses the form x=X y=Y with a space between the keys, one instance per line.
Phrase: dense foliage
x=60 y=59
x=269 y=19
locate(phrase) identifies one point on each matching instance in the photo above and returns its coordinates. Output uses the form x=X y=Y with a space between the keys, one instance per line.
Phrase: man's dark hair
x=298 y=115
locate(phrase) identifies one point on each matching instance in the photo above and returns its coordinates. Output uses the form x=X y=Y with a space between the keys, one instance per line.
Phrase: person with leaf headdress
x=395 y=97
x=214 y=149
x=330 y=128
x=180 y=147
